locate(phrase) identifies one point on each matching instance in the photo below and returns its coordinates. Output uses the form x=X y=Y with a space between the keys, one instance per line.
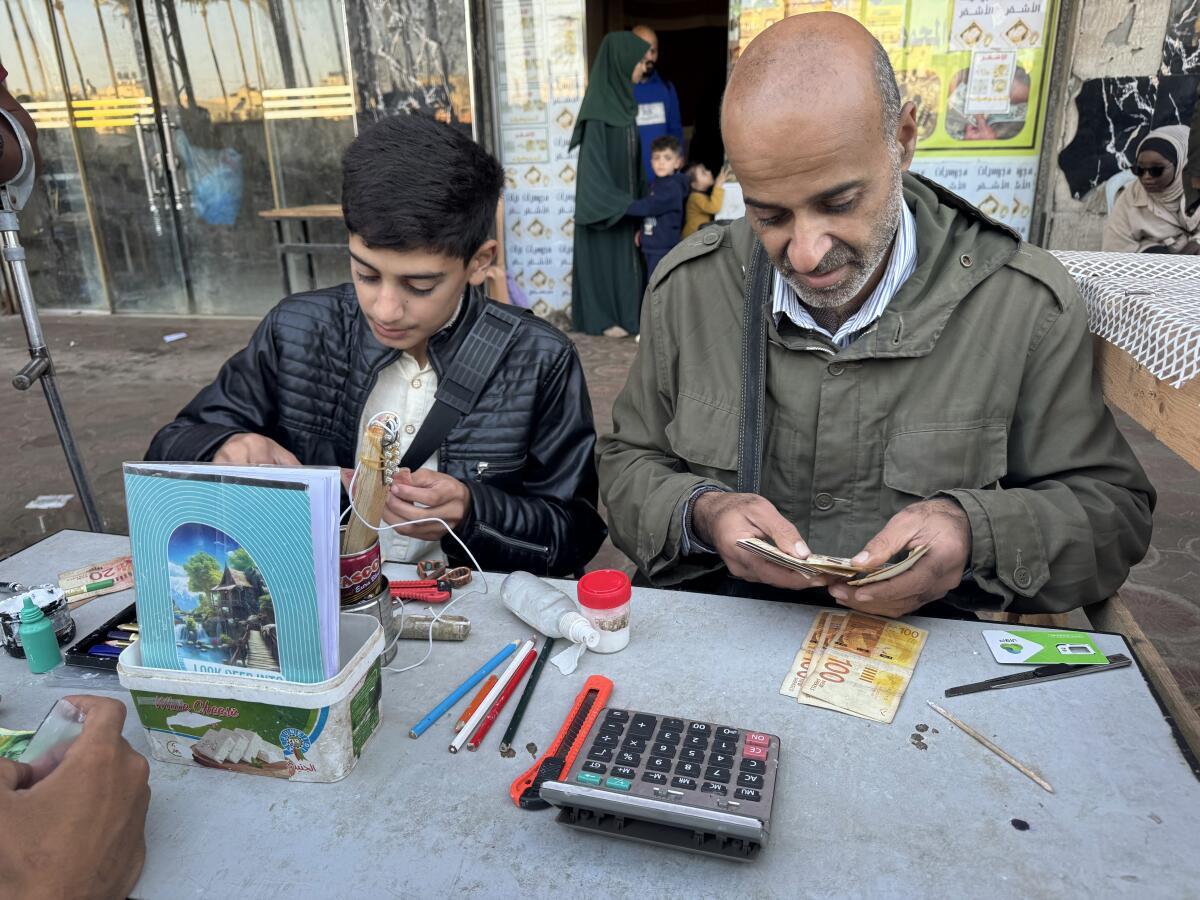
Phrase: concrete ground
x=120 y=382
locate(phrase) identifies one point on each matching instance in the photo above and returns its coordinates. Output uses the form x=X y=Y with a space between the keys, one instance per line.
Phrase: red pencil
x=494 y=712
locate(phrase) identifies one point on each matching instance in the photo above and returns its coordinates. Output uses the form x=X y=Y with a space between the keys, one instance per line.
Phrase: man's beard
x=861 y=264
x=648 y=70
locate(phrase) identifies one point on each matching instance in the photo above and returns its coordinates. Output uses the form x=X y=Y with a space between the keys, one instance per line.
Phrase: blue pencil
x=440 y=710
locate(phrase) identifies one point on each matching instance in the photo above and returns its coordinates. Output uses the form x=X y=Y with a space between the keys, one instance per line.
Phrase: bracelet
x=431 y=569
x=459 y=577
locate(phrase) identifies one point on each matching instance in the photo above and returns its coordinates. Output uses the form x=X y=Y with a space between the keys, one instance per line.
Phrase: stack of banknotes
x=856 y=664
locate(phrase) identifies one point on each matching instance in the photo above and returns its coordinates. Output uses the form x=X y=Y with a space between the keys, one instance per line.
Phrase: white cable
x=390 y=422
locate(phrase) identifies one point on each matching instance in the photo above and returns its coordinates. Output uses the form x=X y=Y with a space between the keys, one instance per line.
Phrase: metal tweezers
x=1038 y=675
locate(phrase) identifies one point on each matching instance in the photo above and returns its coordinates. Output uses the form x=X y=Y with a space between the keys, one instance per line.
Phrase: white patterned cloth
x=1147 y=304
x=901 y=263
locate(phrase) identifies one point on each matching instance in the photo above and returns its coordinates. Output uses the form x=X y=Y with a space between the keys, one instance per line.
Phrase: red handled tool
x=425 y=591
x=590 y=700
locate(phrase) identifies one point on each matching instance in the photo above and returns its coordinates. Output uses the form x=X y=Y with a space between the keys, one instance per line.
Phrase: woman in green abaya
x=606 y=288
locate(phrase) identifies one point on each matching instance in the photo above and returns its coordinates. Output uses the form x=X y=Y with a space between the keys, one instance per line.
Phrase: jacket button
x=711 y=238
x=416 y=382
x=823 y=501
x=1021 y=577
x=409 y=429
x=836 y=369
x=966 y=260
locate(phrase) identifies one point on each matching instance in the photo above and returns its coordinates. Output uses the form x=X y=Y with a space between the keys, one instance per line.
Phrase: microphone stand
x=40 y=368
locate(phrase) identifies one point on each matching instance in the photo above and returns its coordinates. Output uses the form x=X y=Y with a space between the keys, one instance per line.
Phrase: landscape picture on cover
x=223 y=609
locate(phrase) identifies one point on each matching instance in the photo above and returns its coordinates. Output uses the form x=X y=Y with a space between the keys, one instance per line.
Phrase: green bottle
x=38 y=639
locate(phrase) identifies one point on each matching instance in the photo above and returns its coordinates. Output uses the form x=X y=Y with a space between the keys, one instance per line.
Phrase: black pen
x=511 y=731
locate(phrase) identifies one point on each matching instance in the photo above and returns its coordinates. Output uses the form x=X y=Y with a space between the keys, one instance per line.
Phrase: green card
x=1037 y=647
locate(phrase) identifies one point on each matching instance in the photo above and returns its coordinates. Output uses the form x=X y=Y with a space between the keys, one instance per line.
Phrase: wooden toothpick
x=1024 y=770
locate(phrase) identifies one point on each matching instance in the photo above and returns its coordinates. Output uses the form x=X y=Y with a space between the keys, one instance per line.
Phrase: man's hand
x=254 y=450
x=721 y=519
x=94 y=804
x=942 y=525
x=439 y=495
x=981 y=130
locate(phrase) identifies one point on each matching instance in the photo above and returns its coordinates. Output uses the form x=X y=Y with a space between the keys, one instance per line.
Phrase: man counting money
x=863 y=365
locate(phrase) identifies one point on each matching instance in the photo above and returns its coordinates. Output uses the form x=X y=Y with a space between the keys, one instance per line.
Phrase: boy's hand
x=439 y=494
x=100 y=779
x=254 y=450
x=722 y=177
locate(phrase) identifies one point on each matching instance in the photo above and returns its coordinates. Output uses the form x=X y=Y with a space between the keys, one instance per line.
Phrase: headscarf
x=609 y=96
x=1170 y=143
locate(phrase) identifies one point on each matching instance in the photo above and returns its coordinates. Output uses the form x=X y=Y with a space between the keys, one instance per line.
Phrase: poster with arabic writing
x=541 y=76
x=976 y=71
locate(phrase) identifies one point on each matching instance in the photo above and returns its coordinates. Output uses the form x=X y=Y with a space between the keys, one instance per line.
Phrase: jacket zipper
x=516 y=542
x=482 y=467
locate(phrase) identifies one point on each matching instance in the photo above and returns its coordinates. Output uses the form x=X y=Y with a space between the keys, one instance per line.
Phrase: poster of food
x=541 y=74
x=976 y=71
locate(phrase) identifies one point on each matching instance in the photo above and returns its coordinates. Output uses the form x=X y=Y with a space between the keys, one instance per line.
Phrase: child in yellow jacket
x=701 y=206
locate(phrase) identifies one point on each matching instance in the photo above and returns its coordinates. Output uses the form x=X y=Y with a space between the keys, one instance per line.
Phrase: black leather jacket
x=525 y=451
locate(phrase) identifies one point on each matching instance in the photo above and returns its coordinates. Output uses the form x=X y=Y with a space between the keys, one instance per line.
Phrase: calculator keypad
x=693 y=763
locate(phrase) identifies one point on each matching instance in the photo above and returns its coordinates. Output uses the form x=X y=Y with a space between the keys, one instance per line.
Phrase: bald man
x=862 y=365
x=658 y=104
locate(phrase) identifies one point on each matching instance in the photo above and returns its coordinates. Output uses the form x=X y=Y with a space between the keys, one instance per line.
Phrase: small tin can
x=380 y=607
x=52 y=602
x=359 y=574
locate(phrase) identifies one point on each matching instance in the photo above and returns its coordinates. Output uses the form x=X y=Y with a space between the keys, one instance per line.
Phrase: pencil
x=457 y=694
x=461 y=737
x=474 y=704
x=509 y=690
x=1024 y=770
x=511 y=732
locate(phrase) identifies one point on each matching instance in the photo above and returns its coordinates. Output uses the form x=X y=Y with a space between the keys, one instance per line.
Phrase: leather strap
x=470 y=371
x=754 y=370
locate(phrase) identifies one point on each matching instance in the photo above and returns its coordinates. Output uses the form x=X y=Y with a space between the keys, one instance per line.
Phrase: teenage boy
x=514 y=476
x=661 y=210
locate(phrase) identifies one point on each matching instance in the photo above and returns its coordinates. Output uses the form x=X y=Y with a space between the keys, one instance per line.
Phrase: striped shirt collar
x=901 y=264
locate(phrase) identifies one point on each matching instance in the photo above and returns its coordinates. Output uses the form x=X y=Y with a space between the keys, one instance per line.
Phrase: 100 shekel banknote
x=867 y=666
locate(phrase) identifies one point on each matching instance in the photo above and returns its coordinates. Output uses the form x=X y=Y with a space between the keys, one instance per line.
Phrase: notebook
x=235 y=568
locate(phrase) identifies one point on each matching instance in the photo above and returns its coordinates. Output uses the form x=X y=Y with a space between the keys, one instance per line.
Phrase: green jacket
x=975 y=383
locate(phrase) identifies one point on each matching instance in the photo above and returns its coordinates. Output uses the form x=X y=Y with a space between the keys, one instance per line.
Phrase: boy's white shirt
x=408 y=390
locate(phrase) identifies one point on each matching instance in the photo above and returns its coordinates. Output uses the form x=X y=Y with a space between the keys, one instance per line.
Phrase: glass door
x=166 y=127
x=65 y=266
x=259 y=109
x=113 y=121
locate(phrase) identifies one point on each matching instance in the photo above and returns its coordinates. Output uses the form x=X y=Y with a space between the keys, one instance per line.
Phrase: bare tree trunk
x=213 y=50
x=58 y=5
x=112 y=69
x=300 y=44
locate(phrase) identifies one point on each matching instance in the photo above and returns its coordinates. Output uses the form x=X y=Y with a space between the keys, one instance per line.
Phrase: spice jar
x=604 y=597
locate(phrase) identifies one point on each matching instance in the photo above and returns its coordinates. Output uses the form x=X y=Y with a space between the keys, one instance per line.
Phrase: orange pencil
x=474 y=705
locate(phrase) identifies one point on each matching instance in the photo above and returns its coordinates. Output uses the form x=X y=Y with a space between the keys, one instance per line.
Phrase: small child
x=661 y=209
x=701 y=208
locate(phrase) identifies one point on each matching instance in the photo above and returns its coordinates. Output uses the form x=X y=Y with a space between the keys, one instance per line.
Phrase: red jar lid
x=604 y=589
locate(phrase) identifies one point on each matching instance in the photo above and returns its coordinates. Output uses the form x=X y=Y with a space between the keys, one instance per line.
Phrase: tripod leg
x=74 y=463
x=14 y=255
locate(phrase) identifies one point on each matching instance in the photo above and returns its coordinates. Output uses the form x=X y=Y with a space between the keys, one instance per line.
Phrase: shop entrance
x=165 y=127
x=693 y=40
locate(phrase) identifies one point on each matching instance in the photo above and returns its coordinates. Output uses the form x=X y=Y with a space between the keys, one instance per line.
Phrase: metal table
x=859 y=811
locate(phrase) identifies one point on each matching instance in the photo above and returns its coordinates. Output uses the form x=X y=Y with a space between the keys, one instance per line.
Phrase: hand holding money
x=939 y=524
x=726 y=520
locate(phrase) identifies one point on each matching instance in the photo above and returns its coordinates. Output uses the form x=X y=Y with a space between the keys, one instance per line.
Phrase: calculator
x=685 y=783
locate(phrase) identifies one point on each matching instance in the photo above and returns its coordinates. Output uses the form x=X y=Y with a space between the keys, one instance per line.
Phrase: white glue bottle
x=552 y=613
